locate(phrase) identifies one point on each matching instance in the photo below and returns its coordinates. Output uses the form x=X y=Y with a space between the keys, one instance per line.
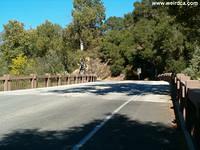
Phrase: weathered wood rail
x=8 y=82
x=187 y=94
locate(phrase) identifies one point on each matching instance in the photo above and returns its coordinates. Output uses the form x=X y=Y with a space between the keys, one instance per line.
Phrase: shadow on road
x=126 y=88
x=120 y=133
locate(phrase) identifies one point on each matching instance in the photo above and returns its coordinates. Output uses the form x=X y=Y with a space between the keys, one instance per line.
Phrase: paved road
x=94 y=116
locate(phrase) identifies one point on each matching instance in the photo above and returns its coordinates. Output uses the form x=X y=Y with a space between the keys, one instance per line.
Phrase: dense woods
x=155 y=38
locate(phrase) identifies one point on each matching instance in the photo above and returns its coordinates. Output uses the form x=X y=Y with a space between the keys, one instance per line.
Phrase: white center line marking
x=99 y=126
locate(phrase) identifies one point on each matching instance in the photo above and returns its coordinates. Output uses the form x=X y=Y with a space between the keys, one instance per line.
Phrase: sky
x=34 y=12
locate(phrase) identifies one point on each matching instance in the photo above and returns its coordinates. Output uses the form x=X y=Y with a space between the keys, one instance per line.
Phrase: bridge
x=101 y=115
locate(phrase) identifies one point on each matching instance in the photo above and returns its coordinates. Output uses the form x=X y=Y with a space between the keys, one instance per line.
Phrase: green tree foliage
x=70 y=54
x=49 y=48
x=3 y=65
x=21 y=65
x=156 y=39
x=110 y=51
x=44 y=46
x=88 y=16
x=194 y=68
x=13 y=44
x=152 y=38
x=114 y=23
x=49 y=37
x=1 y=38
x=50 y=63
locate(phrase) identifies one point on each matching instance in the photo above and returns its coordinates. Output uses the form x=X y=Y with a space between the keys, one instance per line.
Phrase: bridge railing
x=165 y=77
x=187 y=93
x=8 y=82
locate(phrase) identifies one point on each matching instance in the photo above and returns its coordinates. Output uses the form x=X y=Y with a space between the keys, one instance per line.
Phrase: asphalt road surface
x=124 y=115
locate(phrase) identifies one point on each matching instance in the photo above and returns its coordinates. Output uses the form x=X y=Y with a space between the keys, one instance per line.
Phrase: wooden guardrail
x=8 y=82
x=188 y=99
x=165 y=77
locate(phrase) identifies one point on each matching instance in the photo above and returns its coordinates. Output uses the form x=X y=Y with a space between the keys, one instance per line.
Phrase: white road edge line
x=99 y=126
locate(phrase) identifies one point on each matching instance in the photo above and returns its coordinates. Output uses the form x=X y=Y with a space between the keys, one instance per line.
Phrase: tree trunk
x=81 y=45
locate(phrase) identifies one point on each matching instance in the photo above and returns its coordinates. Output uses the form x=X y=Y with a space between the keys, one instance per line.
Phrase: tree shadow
x=126 y=88
x=120 y=133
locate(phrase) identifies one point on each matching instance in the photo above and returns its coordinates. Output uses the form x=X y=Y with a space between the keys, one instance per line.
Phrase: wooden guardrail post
x=7 y=83
x=79 y=79
x=83 y=76
x=95 y=78
x=181 y=79
x=86 y=78
x=68 y=79
x=89 y=78
x=190 y=107
x=182 y=94
x=76 y=79
x=59 y=81
x=47 y=80
x=33 y=81
x=193 y=118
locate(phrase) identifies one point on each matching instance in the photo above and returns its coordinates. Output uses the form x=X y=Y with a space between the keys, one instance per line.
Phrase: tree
x=150 y=39
x=111 y=51
x=49 y=37
x=1 y=38
x=13 y=43
x=155 y=38
x=194 y=68
x=88 y=16
x=114 y=23
x=3 y=65
x=128 y=19
x=21 y=65
x=50 y=63
x=43 y=44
